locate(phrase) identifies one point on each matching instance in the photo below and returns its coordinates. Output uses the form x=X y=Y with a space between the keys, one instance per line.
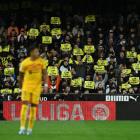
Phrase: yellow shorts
x=31 y=97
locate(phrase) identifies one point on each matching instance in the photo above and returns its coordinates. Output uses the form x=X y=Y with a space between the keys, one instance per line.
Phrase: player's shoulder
x=26 y=60
x=41 y=59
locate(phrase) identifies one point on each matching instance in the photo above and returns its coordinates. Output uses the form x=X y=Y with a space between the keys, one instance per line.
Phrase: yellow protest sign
x=56 y=31
x=102 y=62
x=4 y=61
x=33 y=32
x=89 y=49
x=134 y=80
x=66 y=47
x=8 y=71
x=70 y=61
x=88 y=59
x=125 y=86
x=89 y=84
x=6 y=48
x=131 y=54
x=90 y=18
x=136 y=66
x=99 y=69
x=52 y=71
x=6 y=91
x=66 y=74
x=16 y=90
x=126 y=71
x=138 y=57
x=46 y=39
x=76 y=82
x=55 y=20
x=47 y=27
x=78 y=51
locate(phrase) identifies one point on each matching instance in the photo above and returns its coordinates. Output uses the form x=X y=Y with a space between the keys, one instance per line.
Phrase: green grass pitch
x=74 y=130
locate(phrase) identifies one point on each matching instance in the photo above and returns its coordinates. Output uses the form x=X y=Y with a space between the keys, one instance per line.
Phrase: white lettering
x=77 y=112
x=62 y=112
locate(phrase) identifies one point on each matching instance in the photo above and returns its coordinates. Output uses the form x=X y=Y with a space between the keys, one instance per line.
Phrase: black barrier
x=128 y=111
x=82 y=97
x=1 y=110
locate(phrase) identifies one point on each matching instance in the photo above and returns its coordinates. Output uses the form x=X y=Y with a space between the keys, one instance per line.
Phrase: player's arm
x=21 y=76
x=22 y=69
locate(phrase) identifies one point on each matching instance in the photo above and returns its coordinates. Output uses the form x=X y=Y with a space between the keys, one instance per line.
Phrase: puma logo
x=133 y=98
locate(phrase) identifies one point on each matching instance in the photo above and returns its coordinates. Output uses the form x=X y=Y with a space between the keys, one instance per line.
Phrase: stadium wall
x=99 y=107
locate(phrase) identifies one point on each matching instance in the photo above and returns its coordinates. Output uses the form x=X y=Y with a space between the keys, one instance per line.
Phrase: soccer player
x=32 y=73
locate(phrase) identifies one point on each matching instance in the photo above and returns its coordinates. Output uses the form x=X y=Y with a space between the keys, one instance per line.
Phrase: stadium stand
x=84 y=53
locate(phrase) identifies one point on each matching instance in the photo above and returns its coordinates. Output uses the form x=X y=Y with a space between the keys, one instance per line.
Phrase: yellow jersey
x=32 y=70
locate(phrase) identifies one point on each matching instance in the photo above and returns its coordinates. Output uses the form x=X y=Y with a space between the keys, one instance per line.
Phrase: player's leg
x=32 y=118
x=34 y=102
x=23 y=114
x=23 y=117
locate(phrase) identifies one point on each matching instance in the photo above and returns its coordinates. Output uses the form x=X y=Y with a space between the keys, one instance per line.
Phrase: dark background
x=85 y=6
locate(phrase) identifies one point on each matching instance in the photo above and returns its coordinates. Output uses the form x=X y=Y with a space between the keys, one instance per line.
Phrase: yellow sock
x=23 y=116
x=32 y=117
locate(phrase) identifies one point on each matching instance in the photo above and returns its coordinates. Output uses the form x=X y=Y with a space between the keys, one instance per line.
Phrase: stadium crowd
x=84 y=54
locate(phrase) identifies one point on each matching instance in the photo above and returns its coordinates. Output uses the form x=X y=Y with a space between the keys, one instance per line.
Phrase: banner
x=131 y=54
x=16 y=90
x=44 y=26
x=6 y=91
x=88 y=59
x=65 y=110
x=99 y=69
x=46 y=39
x=52 y=71
x=134 y=80
x=89 y=84
x=89 y=49
x=125 y=86
x=75 y=97
x=6 y=48
x=9 y=71
x=55 y=20
x=56 y=31
x=6 y=60
x=136 y=66
x=76 y=82
x=126 y=71
x=102 y=62
x=78 y=51
x=90 y=18
x=33 y=32
x=66 y=47
x=66 y=74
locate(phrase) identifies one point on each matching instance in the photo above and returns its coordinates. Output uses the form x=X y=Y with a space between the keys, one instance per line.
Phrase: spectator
x=115 y=44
